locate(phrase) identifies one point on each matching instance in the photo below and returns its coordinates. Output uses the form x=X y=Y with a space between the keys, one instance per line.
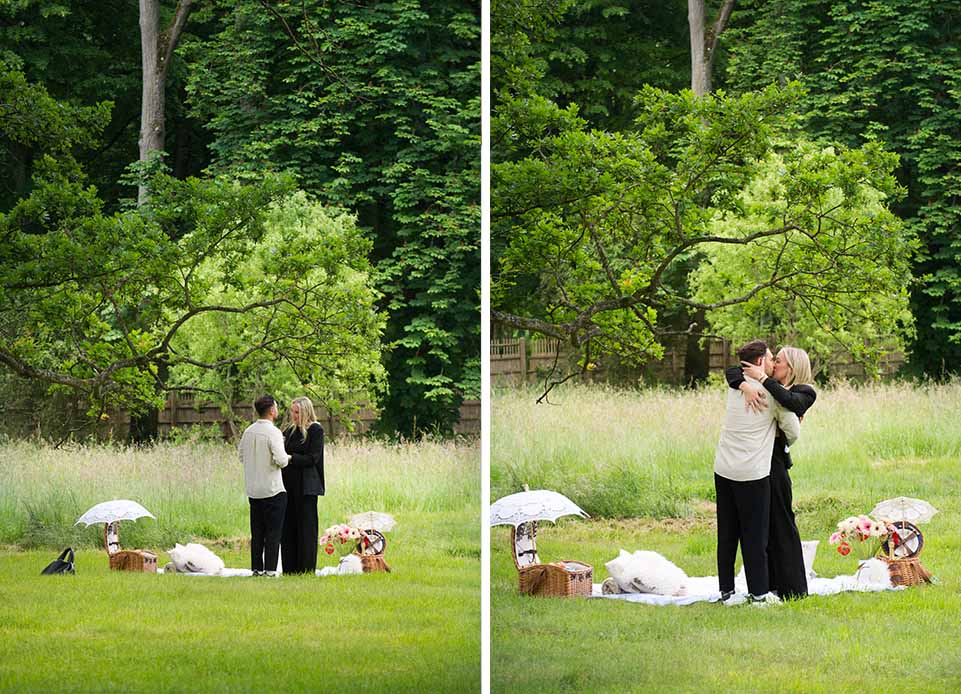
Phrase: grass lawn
x=415 y=629
x=640 y=464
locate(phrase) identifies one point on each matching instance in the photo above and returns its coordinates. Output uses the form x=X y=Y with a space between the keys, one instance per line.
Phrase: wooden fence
x=184 y=411
x=527 y=360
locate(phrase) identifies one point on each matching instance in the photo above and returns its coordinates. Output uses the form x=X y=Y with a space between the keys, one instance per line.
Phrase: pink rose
x=835 y=538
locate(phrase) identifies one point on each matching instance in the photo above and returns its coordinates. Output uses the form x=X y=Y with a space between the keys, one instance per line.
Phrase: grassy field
x=641 y=465
x=415 y=629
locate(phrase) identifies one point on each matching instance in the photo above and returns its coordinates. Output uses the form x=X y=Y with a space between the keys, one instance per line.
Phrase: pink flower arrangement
x=865 y=533
x=340 y=536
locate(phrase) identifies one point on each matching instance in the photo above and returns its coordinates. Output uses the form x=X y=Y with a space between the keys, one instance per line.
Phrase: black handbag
x=61 y=565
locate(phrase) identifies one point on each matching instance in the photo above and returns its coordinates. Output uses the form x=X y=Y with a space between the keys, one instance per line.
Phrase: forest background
x=786 y=96
x=313 y=224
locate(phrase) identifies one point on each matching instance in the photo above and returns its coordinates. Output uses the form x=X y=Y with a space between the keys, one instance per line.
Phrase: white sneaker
x=734 y=600
x=765 y=600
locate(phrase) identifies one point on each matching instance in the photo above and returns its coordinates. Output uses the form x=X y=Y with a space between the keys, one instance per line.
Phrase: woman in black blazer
x=785 y=558
x=304 y=482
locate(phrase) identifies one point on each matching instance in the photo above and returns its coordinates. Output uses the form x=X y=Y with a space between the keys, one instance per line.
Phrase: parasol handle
x=111 y=537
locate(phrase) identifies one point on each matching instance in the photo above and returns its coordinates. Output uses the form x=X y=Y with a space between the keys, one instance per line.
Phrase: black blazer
x=798 y=399
x=304 y=473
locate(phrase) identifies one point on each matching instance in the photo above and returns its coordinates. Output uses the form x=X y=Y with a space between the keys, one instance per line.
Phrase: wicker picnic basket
x=373 y=563
x=907 y=571
x=563 y=579
x=134 y=560
x=126 y=559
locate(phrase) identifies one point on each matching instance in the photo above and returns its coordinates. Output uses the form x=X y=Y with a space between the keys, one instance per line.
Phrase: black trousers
x=298 y=546
x=743 y=516
x=266 y=525
x=785 y=559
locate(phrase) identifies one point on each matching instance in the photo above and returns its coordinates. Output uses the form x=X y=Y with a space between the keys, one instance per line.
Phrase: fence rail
x=525 y=360
x=182 y=411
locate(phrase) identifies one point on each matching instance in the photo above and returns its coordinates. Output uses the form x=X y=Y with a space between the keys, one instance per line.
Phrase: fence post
x=172 y=404
x=522 y=355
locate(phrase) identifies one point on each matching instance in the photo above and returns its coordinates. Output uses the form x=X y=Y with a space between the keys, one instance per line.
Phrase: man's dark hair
x=263 y=404
x=752 y=350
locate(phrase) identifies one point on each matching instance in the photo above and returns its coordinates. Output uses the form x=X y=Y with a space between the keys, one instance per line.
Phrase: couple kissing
x=767 y=399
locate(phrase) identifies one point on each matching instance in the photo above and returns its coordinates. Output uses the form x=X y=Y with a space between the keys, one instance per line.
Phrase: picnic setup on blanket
x=522 y=511
x=361 y=544
x=890 y=541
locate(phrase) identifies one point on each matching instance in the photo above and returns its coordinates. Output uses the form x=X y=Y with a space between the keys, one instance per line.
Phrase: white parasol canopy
x=116 y=510
x=373 y=520
x=539 y=504
x=903 y=508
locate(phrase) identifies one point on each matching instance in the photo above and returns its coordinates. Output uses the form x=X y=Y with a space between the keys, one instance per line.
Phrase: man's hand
x=753 y=371
x=755 y=399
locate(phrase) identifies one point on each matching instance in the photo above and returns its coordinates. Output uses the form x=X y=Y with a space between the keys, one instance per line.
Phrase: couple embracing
x=284 y=475
x=768 y=397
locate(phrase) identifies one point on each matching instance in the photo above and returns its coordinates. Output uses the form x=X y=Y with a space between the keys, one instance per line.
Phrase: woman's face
x=295 y=414
x=781 y=368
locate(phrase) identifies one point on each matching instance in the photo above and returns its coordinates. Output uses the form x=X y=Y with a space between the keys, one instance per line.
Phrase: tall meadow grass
x=197 y=490
x=623 y=454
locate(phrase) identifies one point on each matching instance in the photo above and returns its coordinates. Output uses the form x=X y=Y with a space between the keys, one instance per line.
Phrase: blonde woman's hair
x=799 y=366
x=307 y=416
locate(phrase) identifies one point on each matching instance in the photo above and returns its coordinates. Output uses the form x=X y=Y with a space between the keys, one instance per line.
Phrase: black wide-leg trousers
x=266 y=525
x=785 y=559
x=743 y=516
x=298 y=546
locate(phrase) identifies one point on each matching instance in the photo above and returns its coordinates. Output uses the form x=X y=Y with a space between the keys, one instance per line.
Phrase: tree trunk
x=704 y=40
x=700 y=77
x=145 y=427
x=152 y=94
x=696 y=358
x=181 y=165
x=156 y=51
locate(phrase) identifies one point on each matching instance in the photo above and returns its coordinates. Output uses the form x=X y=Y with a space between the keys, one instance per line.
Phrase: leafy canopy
x=105 y=304
x=598 y=230
x=373 y=107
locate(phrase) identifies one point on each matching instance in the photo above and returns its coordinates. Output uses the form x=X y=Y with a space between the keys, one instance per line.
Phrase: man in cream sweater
x=742 y=481
x=262 y=454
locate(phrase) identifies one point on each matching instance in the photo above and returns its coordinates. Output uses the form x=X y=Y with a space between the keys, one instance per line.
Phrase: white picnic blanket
x=705 y=589
x=223 y=572
x=245 y=572
x=348 y=566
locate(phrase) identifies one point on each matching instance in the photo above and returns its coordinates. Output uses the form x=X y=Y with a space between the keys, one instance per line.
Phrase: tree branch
x=171 y=37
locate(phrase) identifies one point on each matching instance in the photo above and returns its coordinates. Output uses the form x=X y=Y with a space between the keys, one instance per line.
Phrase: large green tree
x=103 y=303
x=374 y=107
x=887 y=72
x=597 y=230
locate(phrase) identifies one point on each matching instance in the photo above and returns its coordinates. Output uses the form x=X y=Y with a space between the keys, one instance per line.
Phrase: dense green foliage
x=375 y=108
x=887 y=72
x=84 y=53
x=868 y=72
x=369 y=109
x=597 y=230
x=843 y=270
x=109 y=304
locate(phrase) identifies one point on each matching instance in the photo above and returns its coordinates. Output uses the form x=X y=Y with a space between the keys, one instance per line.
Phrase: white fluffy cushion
x=350 y=564
x=195 y=558
x=647 y=572
x=874 y=572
